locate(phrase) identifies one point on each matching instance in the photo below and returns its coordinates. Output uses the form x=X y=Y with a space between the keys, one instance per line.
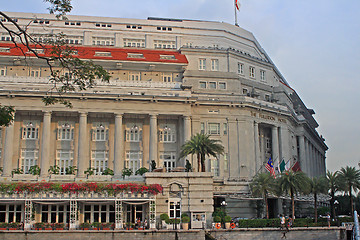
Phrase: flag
x=282 y=166
x=237 y=5
x=269 y=166
x=296 y=167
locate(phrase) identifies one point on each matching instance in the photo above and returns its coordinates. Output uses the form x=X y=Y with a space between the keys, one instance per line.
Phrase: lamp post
x=223 y=205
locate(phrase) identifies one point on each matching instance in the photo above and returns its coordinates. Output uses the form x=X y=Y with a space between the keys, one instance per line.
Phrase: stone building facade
x=171 y=79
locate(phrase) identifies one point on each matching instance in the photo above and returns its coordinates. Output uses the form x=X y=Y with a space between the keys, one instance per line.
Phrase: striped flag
x=270 y=167
x=237 y=4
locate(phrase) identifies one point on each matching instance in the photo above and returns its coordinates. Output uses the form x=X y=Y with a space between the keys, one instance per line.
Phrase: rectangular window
x=100 y=132
x=215 y=167
x=135 y=55
x=3 y=71
x=134 y=134
x=174 y=209
x=167 y=57
x=11 y=213
x=214 y=128
x=267 y=98
x=64 y=159
x=252 y=72
x=212 y=85
x=30 y=131
x=262 y=75
x=167 y=135
x=29 y=158
x=202 y=128
x=202 y=64
x=164 y=44
x=169 y=159
x=103 y=41
x=136 y=43
x=35 y=73
x=134 y=76
x=222 y=85
x=225 y=128
x=214 y=64
x=203 y=85
x=133 y=160
x=167 y=77
x=245 y=91
x=241 y=68
x=65 y=131
x=102 y=54
x=99 y=160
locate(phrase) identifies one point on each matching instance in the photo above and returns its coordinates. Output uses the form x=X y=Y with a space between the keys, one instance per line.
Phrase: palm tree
x=317 y=185
x=349 y=179
x=262 y=185
x=202 y=146
x=333 y=187
x=292 y=183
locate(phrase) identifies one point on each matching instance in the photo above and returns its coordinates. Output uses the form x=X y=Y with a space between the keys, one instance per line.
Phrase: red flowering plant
x=111 y=189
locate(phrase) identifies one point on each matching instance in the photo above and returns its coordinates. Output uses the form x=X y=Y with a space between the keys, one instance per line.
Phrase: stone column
x=258 y=163
x=45 y=144
x=153 y=140
x=187 y=136
x=8 y=150
x=275 y=143
x=118 y=146
x=302 y=157
x=83 y=145
x=285 y=146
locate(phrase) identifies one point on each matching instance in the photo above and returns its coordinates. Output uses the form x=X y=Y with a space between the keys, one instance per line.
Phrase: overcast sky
x=314 y=43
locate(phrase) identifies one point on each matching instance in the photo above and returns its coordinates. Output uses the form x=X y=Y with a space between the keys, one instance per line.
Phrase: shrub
x=185 y=219
x=59 y=225
x=108 y=171
x=164 y=216
x=54 y=169
x=217 y=219
x=172 y=221
x=35 y=170
x=227 y=219
x=85 y=225
x=71 y=170
x=126 y=172
x=96 y=224
x=39 y=225
x=141 y=171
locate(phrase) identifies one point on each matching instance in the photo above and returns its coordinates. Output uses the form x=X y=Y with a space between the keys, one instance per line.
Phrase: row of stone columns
x=312 y=161
x=83 y=151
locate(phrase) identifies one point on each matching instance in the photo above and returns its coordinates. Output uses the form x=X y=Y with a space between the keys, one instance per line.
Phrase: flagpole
x=236 y=22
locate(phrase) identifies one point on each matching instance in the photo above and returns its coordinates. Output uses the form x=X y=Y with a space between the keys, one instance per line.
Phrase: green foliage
x=219 y=212
x=6 y=115
x=59 y=7
x=201 y=145
x=185 y=219
x=172 y=221
x=323 y=211
x=35 y=170
x=54 y=169
x=217 y=219
x=108 y=171
x=349 y=181
x=164 y=216
x=317 y=185
x=39 y=225
x=71 y=170
x=96 y=224
x=227 y=219
x=141 y=171
x=126 y=172
x=188 y=167
x=17 y=171
x=89 y=172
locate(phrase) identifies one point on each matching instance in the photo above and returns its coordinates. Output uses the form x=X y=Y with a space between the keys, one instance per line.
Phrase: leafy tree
x=292 y=183
x=349 y=179
x=81 y=74
x=333 y=187
x=261 y=186
x=317 y=185
x=201 y=145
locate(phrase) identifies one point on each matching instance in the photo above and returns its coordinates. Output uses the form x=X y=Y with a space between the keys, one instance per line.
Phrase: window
x=214 y=128
x=202 y=64
x=29 y=158
x=214 y=64
x=3 y=71
x=30 y=131
x=215 y=166
x=245 y=91
x=167 y=134
x=164 y=44
x=225 y=128
x=202 y=84
x=35 y=73
x=241 y=68
x=99 y=213
x=267 y=98
x=55 y=213
x=212 y=85
x=135 y=55
x=134 y=76
x=102 y=54
x=134 y=134
x=169 y=159
x=11 y=213
x=138 y=43
x=65 y=131
x=133 y=160
x=167 y=57
x=77 y=40
x=202 y=128
x=174 y=209
x=252 y=72
x=64 y=159
x=100 y=132
x=222 y=85
x=262 y=76
x=167 y=77
x=99 y=160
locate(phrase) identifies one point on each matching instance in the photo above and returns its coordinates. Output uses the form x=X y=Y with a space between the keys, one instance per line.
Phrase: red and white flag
x=237 y=5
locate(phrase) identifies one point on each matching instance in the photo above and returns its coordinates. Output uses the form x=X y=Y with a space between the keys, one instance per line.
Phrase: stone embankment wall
x=239 y=234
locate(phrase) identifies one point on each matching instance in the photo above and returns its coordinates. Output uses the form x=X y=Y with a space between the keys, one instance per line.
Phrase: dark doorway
x=272 y=207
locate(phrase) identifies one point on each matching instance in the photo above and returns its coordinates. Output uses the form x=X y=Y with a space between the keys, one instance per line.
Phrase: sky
x=314 y=43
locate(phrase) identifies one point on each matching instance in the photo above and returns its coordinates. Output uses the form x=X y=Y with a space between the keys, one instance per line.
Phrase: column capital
x=47 y=112
x=153 y=115
x=83 y=113
x=119 y=115
x=187 y=117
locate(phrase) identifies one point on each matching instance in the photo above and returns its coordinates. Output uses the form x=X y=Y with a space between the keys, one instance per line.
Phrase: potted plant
x=185 y=219
x=171 y=223
x=141 y=171
x=13 y=226
x=227 y=220
x=59 y=226
x=106 y=226
x=126 y=172
x=39 y=225
x=47 y=226
x=129 y=226
x=108 y=171
x=89 y=172
x=96 y=225
x=85 y=226
x=54 y=170
x=163 y=218
x=35 y=170
x=17 y=171
x=71 y=170
x=3 y=225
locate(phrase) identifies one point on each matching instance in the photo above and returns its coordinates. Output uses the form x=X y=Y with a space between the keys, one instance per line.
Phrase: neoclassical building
x=171 y=79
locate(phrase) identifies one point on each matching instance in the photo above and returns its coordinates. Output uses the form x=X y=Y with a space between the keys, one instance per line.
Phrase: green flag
x=282 y=166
